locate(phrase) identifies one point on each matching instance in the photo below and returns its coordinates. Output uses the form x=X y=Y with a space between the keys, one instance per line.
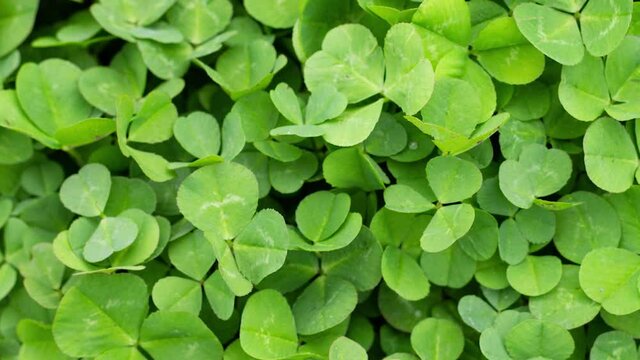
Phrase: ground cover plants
x=319 y=179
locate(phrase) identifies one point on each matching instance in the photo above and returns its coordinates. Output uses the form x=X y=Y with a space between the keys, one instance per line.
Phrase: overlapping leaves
x=326 y=179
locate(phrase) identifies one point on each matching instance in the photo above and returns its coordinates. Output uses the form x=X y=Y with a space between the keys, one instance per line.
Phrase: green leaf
x=261 y=247
x=228 y=268
x=146 y=242
x=621 y=73
x=325 y=103
x=492 y=340
x=325 y=303
x=103 y=86
x=37 y=341
x=583 y=89
x=626 y=205
x=166 y=61
x=15 y=147
x=290 y=177
x=491 y=199
x=434 y=338
x=113 y=234
x=553 y=32
x=177 y=294
x=613 y=344
x=409 y=78
x=200 y=20
x=549 y=169
x=8 y=279
x=538 y=172
x=536 y=275
x=154 y=121
x=79 y=27
x=400 y=313
x=257 y=115
x=358 y=262
x=626 y=323
x=453 y=179
x=501 y=299
x=514 y=135
x=168 y=335
x=225 y=208
x=85 y=132
x=287 y=103
x=506 y=54
x=257 y=62
x=298 y=269
x=6 y=207
x=448 y=18
x=273 y=13
x=160 y=32
x=403 y=274
x=129 y=63
x=609 y=276
x=451 y=267
x=198 y=133
x=449 y=224
x=154 y=166
x=129 y=193
x=321 y=214
x=604 y=24
x=49 y=94
x=43 y=276
x=529 y=102
x=590 y=225
x=315 y=20
x=351 y=60
x=86 y=193
x=345 y=348
x=352 y=168
x=352 y=126
x=220 y=297
x=534 y=338
x=476 y=313
x=570 y=6
x=18 y=19
x=538 y=225
x=480 y=80
x=258 y=164
x=566 y=305
x=418 y=146
x=512 y=245
x=8 y=64
x=99 y=313
x=267 y=328
x=121 y=353
x=68 y=252
x=481 y=242
x=454 y=107
x=192 y=254
x=304 y=131
x=415 y=197
x=610 y=157
x=388 y=138
x=278 y=150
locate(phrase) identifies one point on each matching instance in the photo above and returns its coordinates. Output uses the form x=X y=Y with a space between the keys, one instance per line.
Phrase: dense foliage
x=319 y=179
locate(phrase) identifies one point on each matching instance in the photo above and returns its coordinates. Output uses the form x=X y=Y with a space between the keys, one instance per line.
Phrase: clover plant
x=319 y=179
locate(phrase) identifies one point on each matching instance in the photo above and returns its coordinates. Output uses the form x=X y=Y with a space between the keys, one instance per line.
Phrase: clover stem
x=75 y=156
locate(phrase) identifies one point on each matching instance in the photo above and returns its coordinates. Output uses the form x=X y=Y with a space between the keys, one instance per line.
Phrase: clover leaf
x=326 y=179
x=231 y=203
x=87 y=192
x=269 y=337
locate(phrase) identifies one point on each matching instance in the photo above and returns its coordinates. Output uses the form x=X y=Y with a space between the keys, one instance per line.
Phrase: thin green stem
x=75 y=155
